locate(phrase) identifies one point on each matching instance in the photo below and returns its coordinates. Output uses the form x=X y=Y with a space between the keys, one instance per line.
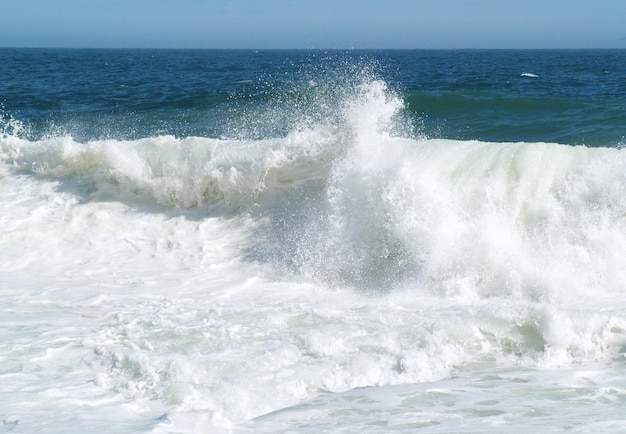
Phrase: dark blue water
x=564 y=96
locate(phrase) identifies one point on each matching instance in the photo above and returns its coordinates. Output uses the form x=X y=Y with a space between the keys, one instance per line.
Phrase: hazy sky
x=314 y=23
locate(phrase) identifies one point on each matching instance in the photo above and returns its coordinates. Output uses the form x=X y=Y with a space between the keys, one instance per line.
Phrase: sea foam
x=219 y=280
x=530 y=220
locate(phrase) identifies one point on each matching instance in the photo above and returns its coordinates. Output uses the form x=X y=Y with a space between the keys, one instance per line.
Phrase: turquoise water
x=298 y=241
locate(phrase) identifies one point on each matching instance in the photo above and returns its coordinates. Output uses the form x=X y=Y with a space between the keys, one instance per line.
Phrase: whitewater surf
x=351 y=273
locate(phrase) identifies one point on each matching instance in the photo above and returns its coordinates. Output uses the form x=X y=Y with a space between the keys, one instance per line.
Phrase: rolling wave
x=530 y=220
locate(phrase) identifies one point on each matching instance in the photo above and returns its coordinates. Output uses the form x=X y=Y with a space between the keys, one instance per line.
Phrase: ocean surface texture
x=312 y=241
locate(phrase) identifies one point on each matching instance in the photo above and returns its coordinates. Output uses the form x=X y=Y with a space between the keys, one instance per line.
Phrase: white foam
x=169 y=282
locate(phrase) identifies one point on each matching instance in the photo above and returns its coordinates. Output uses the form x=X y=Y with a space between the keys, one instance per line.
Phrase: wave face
x=321 y=263
x=536 y=220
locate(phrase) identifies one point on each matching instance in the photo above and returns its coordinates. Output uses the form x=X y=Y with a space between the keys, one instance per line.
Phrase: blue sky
x=314 y=24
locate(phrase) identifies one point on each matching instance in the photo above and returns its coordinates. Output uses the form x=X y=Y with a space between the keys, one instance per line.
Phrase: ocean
x=217 y=241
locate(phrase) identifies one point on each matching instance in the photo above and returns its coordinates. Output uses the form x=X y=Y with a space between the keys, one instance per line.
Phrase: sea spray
x=322 y=267
x=534 y=221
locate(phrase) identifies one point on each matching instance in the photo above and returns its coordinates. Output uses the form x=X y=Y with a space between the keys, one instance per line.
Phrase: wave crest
x=348 y=202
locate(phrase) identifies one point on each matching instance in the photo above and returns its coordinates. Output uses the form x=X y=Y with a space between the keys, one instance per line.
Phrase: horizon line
x=70 y=47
